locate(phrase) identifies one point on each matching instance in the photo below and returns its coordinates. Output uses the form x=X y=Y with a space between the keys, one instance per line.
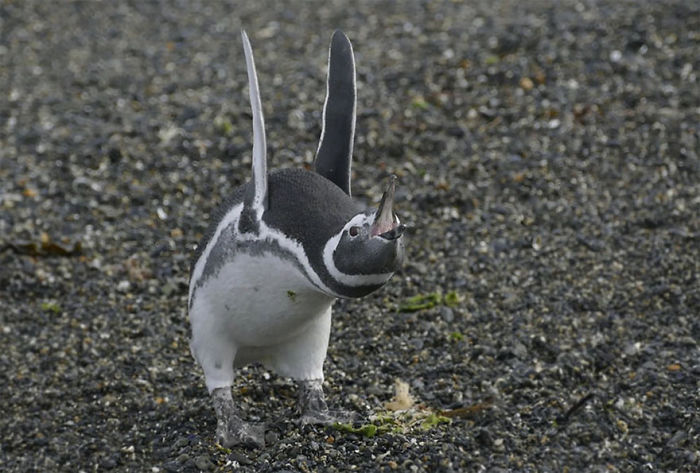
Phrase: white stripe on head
x=353 y=280
x=259 y=144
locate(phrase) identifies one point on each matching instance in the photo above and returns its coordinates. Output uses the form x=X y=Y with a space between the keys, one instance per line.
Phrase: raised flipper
x=258 y=200
x=334 y=154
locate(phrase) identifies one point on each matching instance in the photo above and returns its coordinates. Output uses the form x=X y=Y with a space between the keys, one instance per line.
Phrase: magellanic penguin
x=277 y=254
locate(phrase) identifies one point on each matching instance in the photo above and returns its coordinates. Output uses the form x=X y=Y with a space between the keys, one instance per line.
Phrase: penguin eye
x=354 y=231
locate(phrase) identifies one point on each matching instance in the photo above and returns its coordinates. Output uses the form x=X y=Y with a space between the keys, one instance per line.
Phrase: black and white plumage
x=280 y=250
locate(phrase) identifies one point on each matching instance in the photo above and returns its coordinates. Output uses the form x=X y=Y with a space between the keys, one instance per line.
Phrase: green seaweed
x=420 y=302
x=456 y=337
x=452 y=299
x=223 y=125
x=430 y=300
x=419 y=103
x=433 y=420
x=366 y=430
x=292 y=295
x=491 y=59
x=396 y=423
x=222 y=449
x=51 y=307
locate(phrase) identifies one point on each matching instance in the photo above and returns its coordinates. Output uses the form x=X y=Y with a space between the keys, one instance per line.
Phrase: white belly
x=258 y=301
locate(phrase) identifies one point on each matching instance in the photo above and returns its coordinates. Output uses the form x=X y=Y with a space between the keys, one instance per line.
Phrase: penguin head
x=369 y=248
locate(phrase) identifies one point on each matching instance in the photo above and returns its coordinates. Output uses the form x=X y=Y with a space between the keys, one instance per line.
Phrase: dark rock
x=203 y=463
x=171 y=466
x=271 y=437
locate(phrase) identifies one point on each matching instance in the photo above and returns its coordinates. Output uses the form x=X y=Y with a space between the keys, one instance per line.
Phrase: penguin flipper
x=258 y=202
x=334 y=154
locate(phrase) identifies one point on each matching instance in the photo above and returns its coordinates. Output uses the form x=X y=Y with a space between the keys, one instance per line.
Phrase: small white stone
x=537 y=243
x=123 y=286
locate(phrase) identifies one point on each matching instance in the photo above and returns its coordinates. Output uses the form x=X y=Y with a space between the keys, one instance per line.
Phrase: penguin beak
x=385 y=224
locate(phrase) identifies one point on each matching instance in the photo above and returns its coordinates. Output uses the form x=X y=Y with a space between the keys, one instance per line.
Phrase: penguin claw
x=239 y=433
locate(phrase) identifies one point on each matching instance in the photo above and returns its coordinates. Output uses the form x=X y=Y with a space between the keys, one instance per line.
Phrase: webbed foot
x=327 y=417
x=231 y=430
x=313 y=407
x=236 y=432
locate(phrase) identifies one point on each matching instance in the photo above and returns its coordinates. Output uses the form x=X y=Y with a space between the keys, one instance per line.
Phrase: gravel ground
x=548 y=160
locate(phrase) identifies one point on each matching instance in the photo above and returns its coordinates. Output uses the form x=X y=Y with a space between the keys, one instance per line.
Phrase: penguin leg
x=214 y=351
x=302 y=355
x=301 y=358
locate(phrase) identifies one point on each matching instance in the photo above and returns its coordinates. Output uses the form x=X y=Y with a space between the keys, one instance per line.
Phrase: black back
x=307 y=207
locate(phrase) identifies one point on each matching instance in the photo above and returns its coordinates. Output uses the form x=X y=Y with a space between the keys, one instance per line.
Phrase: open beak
x=385 y=224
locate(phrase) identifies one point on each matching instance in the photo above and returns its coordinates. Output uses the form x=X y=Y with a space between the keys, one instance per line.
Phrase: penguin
x=279 y=251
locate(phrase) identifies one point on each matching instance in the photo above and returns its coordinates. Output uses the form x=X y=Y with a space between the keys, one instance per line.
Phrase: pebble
x=447 y=314
x=171 y=466
x=203 y=463
x=123 y=286
x=271 y=437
